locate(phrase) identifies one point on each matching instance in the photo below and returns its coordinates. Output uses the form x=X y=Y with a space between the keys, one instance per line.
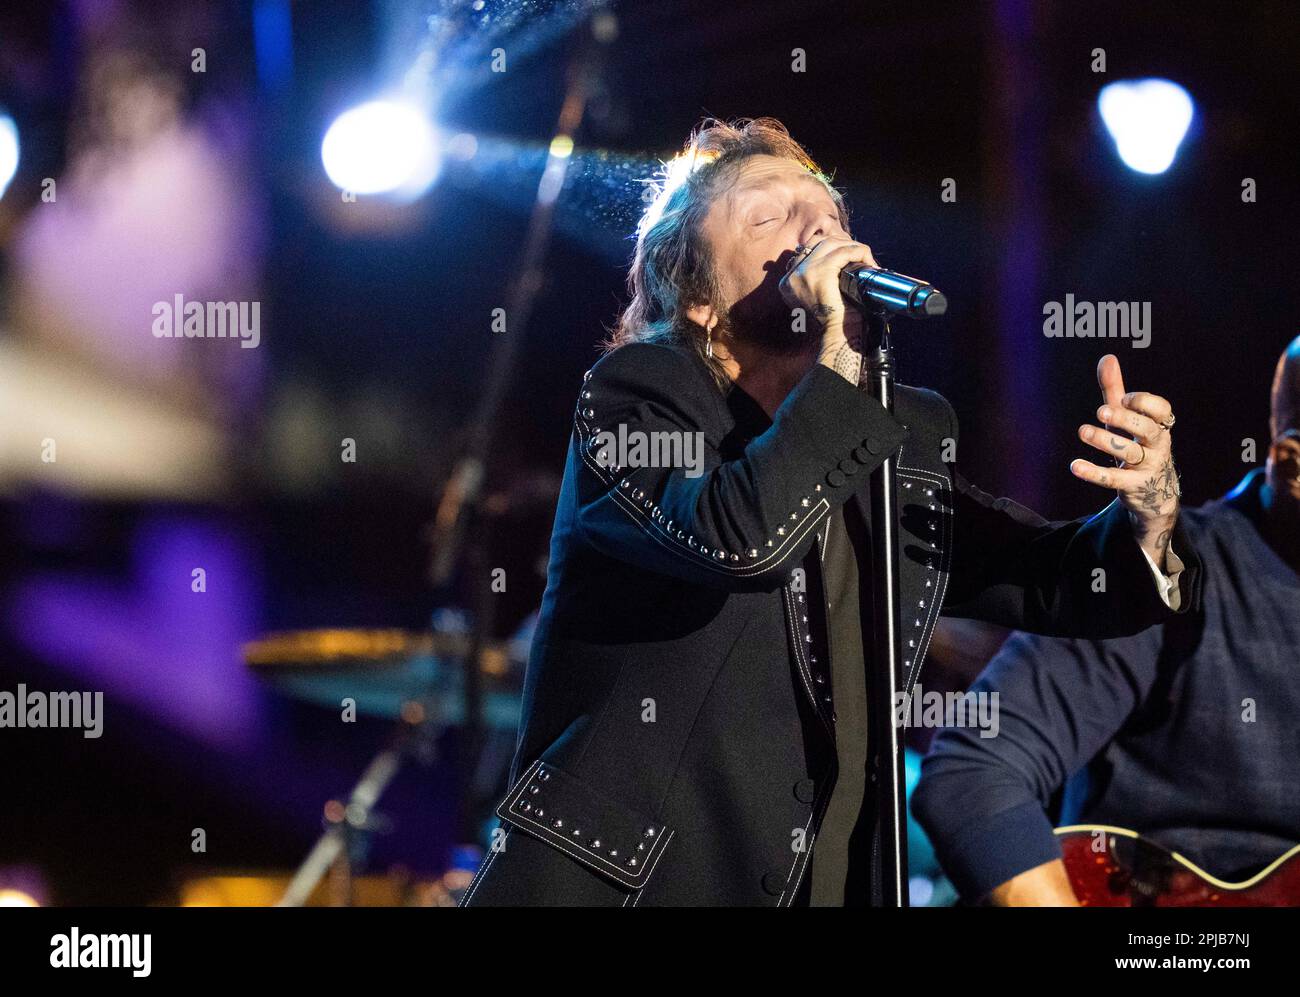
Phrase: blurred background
x=228 y=539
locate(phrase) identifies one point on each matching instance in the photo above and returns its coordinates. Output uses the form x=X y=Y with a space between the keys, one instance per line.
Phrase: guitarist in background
x=1188 y=732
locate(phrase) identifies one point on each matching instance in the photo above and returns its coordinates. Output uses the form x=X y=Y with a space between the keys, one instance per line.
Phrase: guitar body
x=1113 y=867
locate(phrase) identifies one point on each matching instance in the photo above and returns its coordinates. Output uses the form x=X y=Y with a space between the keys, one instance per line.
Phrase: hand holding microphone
x=812 y=283
x=812 y=279
x=824 y=279
x=872 y=287
x=859 y=280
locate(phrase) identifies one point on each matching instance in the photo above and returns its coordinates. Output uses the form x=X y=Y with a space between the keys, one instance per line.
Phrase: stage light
x=381 y=147
x=1147 y=119
x=8 y=151
x=17 y=898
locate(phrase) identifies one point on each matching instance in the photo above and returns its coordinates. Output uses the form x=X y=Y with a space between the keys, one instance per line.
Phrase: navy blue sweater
x=1188 y=732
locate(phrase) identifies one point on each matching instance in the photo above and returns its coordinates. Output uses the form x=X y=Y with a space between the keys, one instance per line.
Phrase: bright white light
x=8 y=151
x=1147 y=119
x=381 y=147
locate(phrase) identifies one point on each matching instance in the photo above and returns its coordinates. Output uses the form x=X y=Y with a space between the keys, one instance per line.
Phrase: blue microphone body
x=872 y=287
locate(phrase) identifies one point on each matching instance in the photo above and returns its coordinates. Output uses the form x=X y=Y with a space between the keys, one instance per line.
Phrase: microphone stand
x=460 y=505
x=887 y=773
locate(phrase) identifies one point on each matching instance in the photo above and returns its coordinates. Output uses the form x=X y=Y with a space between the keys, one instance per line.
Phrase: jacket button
x=774 y=883
x=861 y=455
x=871 y=445
x=849 y=466
x=804 y=790
x=835 y=477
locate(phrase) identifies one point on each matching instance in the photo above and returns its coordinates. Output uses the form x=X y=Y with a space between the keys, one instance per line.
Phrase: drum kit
x=418 y=680
x=450 y=676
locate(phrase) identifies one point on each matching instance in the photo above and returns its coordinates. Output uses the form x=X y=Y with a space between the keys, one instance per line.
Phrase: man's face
x=753 y=229
x=1283 y=469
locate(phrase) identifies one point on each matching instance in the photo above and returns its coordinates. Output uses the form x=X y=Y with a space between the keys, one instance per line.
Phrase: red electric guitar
x=1112 y=867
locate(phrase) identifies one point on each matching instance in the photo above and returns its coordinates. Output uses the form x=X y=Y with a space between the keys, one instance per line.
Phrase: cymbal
x=384 y=671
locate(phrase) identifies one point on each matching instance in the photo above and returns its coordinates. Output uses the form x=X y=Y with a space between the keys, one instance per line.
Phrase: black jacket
x=677 y=744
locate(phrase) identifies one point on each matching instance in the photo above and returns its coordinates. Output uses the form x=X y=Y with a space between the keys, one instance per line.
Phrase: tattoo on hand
x=1161 y=488
x=1149 y=497
x=824 y=311
x=1169 y=486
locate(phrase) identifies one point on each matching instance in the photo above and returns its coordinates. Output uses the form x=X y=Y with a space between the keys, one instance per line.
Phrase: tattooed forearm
x=842 y=353
x=847 y=362
x=1162 y=544
x=1142 y=529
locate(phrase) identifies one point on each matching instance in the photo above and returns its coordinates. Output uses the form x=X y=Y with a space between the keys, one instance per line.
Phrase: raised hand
x=1145 y=478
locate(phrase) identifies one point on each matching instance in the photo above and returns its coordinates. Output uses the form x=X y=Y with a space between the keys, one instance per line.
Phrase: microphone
x=871 y=287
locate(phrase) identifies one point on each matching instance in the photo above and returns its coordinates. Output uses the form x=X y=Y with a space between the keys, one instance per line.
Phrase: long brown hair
x=673 y=267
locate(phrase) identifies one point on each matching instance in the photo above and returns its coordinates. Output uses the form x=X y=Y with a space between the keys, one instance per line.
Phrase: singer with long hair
x=695 y=707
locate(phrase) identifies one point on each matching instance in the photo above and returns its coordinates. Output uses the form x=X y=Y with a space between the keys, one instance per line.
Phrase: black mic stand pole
x=463 y=494
x=887 y=773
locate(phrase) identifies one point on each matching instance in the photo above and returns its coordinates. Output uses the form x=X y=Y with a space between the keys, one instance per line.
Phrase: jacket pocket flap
x=599 y=832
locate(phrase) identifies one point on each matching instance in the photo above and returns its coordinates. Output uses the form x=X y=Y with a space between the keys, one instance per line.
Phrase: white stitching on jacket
x=750 y=567
x=944 y=487
x=820 y=805
x=652 y=868
x=482 y=870
x=577 y=850
x=805 y=675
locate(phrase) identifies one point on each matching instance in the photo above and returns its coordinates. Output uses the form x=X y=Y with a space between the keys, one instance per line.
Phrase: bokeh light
x=1148 y=120
x=8 y=151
